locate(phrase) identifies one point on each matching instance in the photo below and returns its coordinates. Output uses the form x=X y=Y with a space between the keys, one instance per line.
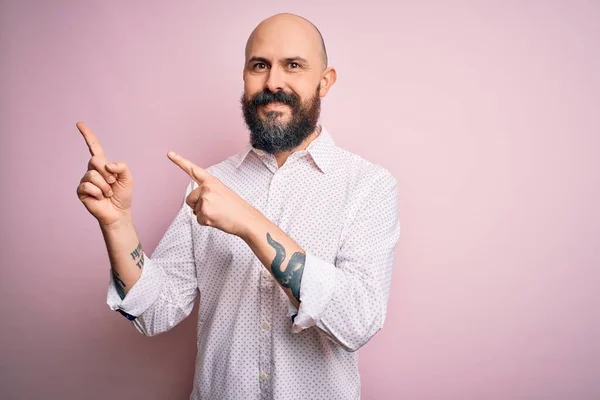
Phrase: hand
x=106 y=188
x=214 y=204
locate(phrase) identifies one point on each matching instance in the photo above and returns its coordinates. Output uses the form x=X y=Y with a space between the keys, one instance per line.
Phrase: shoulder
x=362 y=172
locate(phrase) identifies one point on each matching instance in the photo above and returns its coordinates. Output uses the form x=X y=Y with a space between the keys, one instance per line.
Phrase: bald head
x=296 y=33
x=285 y=77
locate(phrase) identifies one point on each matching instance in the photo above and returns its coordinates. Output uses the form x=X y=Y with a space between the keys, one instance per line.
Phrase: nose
x=275 y=80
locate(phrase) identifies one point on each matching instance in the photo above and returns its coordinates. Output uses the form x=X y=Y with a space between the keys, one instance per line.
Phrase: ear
x=328 y=78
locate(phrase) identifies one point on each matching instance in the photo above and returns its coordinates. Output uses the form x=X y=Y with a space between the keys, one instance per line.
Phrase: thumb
x=120 y=169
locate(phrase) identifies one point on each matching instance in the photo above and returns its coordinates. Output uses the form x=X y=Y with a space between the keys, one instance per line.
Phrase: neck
x=283 y=156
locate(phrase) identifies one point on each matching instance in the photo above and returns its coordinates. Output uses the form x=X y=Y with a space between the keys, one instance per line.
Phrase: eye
x=294 y=65
x=259 y=65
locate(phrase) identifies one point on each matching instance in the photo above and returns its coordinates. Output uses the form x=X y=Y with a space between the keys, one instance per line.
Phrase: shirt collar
x=320 y=149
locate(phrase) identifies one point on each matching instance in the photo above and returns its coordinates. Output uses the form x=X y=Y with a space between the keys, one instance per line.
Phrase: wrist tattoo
x=119 y=284
x=291 y=277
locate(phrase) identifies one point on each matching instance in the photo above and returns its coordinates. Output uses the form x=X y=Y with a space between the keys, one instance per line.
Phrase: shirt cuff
x=316 y=289
x=141 y=295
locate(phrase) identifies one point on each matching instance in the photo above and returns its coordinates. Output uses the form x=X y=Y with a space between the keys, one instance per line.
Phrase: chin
x=275 y=118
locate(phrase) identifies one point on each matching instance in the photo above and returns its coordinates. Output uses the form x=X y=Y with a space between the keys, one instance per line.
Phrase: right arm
x=167 y=286
x=125 y=254
x=158 y=293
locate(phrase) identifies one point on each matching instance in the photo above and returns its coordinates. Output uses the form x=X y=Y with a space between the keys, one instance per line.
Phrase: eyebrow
x=258 y=59
x=287 y=59
x=298 y=59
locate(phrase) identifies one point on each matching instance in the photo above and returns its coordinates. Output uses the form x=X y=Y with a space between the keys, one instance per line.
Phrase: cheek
x=252 y=84
x=304 y=88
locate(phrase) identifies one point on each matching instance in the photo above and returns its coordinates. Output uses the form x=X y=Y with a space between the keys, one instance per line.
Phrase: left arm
x=348 y=300
x=280 y=255
x=214 y=204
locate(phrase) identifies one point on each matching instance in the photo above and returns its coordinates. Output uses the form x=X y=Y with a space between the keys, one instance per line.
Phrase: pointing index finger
x=195 y=172
x=90 y=139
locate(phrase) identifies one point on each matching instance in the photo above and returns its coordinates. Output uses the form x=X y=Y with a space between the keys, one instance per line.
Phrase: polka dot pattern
x=342 y=210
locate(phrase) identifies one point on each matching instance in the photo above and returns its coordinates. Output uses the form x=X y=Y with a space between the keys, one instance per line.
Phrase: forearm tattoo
x=291 y=277
x=119 y=284
x=137 y=255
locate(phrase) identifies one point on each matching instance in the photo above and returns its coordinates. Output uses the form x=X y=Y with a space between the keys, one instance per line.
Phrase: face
x=284 y=80
x=280 y=121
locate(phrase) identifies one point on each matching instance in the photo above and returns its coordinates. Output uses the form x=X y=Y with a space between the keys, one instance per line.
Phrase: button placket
x=264 y=335
x=275 y=196
x=266 y=296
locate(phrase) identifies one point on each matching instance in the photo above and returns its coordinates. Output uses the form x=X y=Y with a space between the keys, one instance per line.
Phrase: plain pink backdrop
x=487 y=113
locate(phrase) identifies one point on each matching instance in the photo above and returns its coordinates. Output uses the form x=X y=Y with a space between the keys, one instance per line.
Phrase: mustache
x=267 y=97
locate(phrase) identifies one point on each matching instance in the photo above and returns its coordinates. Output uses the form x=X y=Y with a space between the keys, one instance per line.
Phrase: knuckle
x=204 y=210
x=97 y=163
x=204 y=221
x=88 y=176
x=95 y=177
x=83 y=188
x=94 y=162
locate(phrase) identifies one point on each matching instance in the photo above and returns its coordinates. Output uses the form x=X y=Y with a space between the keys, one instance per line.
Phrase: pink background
x=488 y=114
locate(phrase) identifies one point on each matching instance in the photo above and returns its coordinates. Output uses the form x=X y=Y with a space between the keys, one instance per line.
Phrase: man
x=289 y=244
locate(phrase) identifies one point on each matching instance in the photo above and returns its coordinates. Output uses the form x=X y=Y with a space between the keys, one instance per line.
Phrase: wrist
x=118 y=224
x=254 y=227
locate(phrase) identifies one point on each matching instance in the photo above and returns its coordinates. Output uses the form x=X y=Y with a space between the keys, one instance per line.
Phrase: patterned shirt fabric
x=252 y=343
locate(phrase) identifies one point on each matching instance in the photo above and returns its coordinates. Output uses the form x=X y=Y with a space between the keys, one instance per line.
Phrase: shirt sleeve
x=164 y=294
x=348 y=300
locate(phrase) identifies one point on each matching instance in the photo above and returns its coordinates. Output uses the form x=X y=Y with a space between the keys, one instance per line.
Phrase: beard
x=273 y=135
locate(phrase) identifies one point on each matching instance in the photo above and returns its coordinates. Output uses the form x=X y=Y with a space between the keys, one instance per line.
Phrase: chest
x=309 y=206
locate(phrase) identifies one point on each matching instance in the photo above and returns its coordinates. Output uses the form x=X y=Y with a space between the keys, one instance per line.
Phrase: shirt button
x=266 y=274
x=263 y=376
x=266 y=325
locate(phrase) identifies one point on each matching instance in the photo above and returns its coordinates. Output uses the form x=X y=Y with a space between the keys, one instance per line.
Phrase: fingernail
x=112 y=165
x=110 y=193
x=110 y=179
x=171 y=154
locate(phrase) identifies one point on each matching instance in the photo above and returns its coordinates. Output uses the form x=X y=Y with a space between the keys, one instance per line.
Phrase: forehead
x=277 y=41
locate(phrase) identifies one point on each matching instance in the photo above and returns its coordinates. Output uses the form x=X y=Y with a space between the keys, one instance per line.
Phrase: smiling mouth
x=275 y=105
x=275 y=110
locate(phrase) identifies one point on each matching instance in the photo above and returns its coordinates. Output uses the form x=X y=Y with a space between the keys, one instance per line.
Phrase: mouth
x=275 y=110
x=275 y=106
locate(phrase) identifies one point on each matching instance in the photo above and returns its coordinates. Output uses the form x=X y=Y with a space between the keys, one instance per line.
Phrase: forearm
x=361 y=300
x=280 y=255
x=125 y=254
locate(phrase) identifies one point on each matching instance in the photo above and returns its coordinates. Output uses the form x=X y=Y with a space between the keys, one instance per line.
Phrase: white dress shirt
x=342 y=210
